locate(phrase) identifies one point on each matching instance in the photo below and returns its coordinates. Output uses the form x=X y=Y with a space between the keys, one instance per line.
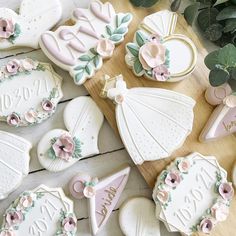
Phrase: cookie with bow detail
x=59 y=149
x=14 y=162
x=222 y=121
x=152 y=122
x=102 y=195
x=24 y=29
x=158 y=53
x=81 y=48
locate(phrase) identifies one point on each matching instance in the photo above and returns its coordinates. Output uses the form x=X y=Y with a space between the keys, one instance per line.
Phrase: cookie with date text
x=29 y=92
x=81 y=48
x=193 y=195
x=103 y=195
x=24 y=29
x=42 y=211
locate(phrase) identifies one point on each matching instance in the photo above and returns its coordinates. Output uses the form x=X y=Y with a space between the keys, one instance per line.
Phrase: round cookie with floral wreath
x=29 y=92
x=193 y=195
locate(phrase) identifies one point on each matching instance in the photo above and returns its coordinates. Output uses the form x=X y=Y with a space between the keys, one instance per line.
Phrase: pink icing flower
x=28 y=64
x=25 y=202
x=47 y=105
x=7 y=28
x=152 y=54
x=163 y=196
x=155 y=38
x=89 y=191
x=226 y=191
x=105 y=48
x=14 y=217
x=31 y=116
x=64 y=147
x=206 y=225
x=13 y=119
x=161 y=73
x=184 y=165
x=12 y=67
x=7 y=232
x=220 y=211
x=172 y=179
x=69 y=224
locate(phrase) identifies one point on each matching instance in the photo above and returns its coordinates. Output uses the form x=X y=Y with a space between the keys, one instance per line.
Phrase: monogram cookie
x=102 y=195
x=158 y=53
x=29 y=92
x=24 y=29
x=192 y=195
x=81 y=48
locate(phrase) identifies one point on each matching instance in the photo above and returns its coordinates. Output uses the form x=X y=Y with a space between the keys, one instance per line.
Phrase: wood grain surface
x=224 y=149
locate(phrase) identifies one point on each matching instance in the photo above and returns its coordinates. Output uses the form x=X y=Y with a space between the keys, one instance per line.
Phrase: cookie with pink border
x=24 y=29
x=42 y=211
x=102 y=195
x=193 y=195
x=81 y=48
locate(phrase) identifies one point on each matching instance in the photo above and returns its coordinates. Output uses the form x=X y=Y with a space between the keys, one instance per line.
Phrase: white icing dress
x=152 y=122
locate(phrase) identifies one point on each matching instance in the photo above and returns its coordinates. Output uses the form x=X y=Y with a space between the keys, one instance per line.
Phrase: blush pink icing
x=206 y=225
x=105 y=48
x=102 y=11
x=226 y=191
x=7 y=28
x=163 y=196
x=172 y=179
x=161 y=73
x=220 y=211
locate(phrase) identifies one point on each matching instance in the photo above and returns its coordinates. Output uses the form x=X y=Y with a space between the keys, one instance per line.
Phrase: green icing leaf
x=116 y=37
x=93 y=51
x=109 y=30
x=88 y=69
x=51 y=154
x=138 y=68
x=120 y=30
x=140 y=38
x=79 y=76
x=126 y=18
x=218 y=77
x=85 y=58
x=96 y=61
x=79 y=68
x=133 y=48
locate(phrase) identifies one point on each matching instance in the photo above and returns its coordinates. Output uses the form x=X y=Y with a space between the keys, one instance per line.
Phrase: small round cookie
x=137 y=217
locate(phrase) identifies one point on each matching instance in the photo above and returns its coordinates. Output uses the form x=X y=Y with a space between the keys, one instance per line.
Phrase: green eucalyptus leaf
x=207 y=17
x=218 y=77
x=79 y=76
x=214 y=32
x=144 y=3
x=191 y=12
x=227 y=13
x=138 y=67
x=227 y=56
x=116 y=37
x=211 y=60
x=140 y=38
x=230 y=26
x=232 y=72
x=175 y=5
x=85 y=58
x=133 y=48
x=218 y=2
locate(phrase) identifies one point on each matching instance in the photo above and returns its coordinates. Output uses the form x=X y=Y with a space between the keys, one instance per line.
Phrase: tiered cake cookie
x=192 y=194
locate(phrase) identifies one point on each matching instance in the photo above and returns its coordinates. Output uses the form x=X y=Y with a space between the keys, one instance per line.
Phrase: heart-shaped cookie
x=14 y=162
x=81 y=48
x=25 y=29
x=59 y=149
x=158 y=53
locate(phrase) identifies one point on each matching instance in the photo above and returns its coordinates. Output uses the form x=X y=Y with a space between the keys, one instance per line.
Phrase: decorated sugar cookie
x=14 y=162
x=234 y=175
x=193 y=195
x=59 y=149
x=158 y=53
x=29 y=92
x=24 y=29
x=137 y=218
x=102 y=195
x=222 y=121
x=81 y=48
x=152 y=122
x=42 y=211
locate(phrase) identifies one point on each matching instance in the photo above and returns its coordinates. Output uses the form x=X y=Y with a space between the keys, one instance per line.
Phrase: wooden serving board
x=194 y=86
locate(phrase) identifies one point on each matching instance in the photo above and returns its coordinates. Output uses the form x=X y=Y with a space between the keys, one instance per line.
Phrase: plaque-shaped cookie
x=29 y=92
x=42 y=211
x=193 y=195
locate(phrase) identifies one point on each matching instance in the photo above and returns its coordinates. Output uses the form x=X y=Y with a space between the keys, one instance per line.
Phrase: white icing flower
x=31 y=116
x=184 y=165
x=25 y=202
x=28 y=64
x=220 y=211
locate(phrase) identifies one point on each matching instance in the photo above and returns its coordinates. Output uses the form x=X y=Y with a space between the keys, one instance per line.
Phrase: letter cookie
x=59 y=149
x=192 y=195
x=42 y=211
x=158 y=53
x=103 y=195
x=81 y=48
x=25 y=29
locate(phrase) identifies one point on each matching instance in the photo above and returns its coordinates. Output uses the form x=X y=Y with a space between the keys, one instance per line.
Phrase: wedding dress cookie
x=103 y=195
x=158 y=53
x=222 y=121
x=137 y=218
x=59 y=149
x=29 y=92
x=14 y=162
x=25 y=29
x=42 y=211
x=152 y=122
x=192 y=195
x=81 y=48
